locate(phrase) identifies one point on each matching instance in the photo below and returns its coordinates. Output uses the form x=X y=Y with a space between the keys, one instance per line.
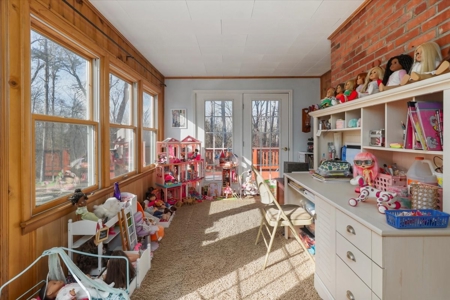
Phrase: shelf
x=81 y=241
x=342 y=129
x=112 y=236
x=404 y=150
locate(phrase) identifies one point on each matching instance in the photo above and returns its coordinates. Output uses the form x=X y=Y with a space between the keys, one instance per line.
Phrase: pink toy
x=385 y=200
x=366 y=166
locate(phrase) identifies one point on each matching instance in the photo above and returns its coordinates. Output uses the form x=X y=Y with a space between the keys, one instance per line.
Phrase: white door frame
x=199 y=96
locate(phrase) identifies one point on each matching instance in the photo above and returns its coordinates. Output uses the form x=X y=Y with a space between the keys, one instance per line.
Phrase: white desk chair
x=275 y=215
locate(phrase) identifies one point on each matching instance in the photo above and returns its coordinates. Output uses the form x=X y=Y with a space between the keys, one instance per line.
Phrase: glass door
x=266 y=132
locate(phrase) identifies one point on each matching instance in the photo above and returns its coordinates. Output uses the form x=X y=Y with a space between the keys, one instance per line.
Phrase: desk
x=360 y=256
x=280 y=190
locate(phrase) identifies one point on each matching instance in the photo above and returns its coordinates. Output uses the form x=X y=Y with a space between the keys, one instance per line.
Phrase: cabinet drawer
x=354 y=258
x=349 y=285
x=358 y=234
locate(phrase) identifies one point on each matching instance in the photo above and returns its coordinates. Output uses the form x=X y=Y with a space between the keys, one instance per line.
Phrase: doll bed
x=84 y=281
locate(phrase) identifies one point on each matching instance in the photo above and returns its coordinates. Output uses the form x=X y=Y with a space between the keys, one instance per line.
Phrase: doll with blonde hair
x=350 y=92
x=427 y=58
x=373 y=81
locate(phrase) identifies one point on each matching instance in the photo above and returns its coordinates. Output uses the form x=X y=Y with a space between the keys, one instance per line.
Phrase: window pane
x=148 y=111
x=119 y=101
x=148 y=144
x=61 y=159
x=121 y=151
x=59 y=80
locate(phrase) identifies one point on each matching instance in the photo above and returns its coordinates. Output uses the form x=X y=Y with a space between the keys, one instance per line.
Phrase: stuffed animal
x=109 y=209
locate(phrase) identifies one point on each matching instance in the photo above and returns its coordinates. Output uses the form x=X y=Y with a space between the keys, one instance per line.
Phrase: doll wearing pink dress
x=227 y=190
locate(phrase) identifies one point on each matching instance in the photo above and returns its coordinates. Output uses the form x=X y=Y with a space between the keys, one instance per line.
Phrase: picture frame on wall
x=179 y=118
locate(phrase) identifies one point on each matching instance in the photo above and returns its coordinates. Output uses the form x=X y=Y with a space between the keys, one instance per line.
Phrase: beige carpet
x=209 y=252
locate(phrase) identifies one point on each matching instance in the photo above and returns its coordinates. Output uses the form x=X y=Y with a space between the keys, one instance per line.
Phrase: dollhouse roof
x=190 y=139
x=171 y=140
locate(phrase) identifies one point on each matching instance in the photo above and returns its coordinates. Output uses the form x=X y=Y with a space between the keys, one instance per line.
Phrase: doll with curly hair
x=427 y=58
x=396 y=68
x=372 y=82
x=79 y=198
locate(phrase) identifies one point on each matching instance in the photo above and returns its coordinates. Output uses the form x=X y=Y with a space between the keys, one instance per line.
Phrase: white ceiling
x=231 y=38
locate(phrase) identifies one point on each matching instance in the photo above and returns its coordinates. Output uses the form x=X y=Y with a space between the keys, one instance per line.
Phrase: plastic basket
x=431 y=219
x=383 y=181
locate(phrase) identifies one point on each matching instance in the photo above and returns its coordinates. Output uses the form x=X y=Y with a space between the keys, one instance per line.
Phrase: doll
x=227 y=190
x=116 y=270
x=329 y=100
x=396 y=68
x=366 y=166
x=427 y=58
x=444 y=67
x=350 y=93
x=372 y=82
x=340 y=88
x=79 y=198
x=360 y=81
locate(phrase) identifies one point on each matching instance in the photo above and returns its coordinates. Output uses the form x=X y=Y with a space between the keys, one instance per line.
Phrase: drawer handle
x=351 y=230
x=350 y=295
x=351 y=256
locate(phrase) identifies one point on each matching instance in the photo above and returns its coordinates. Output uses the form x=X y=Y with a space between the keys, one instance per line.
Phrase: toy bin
x=408 y=218
x=383 y=181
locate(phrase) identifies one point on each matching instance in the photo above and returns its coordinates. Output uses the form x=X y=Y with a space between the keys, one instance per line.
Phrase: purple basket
x=431 y=219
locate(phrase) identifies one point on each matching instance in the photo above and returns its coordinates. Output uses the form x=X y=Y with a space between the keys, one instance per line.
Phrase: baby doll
x=329 y=100
x=427 y=58
x=79 y=198
x=373 y=81
x=396 y=68
x=360 y=81
x=340 y=88
x=350 y=92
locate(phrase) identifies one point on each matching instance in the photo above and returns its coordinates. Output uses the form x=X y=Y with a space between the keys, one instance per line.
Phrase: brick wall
x=386 y=28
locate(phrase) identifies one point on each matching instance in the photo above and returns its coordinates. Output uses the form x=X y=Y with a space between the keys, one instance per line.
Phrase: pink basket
x=383 y=181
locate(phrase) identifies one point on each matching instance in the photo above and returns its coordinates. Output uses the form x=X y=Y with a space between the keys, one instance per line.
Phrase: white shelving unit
x=386 y=110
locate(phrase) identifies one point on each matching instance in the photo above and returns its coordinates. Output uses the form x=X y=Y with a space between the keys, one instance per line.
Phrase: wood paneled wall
x=22 y=240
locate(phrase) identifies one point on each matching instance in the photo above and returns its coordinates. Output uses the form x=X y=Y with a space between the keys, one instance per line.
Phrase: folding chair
x=275 y=215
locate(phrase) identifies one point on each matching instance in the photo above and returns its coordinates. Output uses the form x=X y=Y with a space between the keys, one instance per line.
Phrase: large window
x=122 y=126
x=63 y=120
x=149 y=130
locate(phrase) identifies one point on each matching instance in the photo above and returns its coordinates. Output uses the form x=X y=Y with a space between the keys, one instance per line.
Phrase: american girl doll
x=427 y=58
x=79 y=198
x=227 y=190
x=350 y=93
x=116 y=270
x=396 y=68
x=366 y=166
x=372 y=83
x=360 y=81
x=339 y=95
x=444 y=67
x=329 y=99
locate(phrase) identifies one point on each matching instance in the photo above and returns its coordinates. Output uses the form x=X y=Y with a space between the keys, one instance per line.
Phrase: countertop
x=337 y=194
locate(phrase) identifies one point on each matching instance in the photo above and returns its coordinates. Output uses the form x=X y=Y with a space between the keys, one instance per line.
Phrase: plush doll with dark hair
x=397 y=67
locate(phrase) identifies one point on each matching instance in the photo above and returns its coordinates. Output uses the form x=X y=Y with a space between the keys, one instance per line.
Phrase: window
x=122 y=126
x=149 y=130
x=218 y=134
x=63 y=120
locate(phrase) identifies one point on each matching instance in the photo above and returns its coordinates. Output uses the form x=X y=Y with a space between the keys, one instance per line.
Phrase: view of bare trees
x=265 y=124
x=59 y=93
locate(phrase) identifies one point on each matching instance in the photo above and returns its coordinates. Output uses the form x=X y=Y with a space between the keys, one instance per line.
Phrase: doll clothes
x=85 y=214
x=227 y=191
x=396 y=78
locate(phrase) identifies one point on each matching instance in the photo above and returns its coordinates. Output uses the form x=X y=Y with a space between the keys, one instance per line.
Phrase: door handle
x=286 y=149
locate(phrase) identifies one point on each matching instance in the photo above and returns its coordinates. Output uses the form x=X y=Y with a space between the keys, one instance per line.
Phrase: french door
x=253 y=127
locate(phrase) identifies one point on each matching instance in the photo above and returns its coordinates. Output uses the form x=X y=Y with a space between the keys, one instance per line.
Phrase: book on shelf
x=430 y=117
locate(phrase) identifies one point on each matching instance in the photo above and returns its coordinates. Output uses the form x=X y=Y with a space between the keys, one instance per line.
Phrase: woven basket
x=424 y=196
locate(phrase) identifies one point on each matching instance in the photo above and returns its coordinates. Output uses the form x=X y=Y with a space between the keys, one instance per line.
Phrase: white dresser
x=359 y=256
